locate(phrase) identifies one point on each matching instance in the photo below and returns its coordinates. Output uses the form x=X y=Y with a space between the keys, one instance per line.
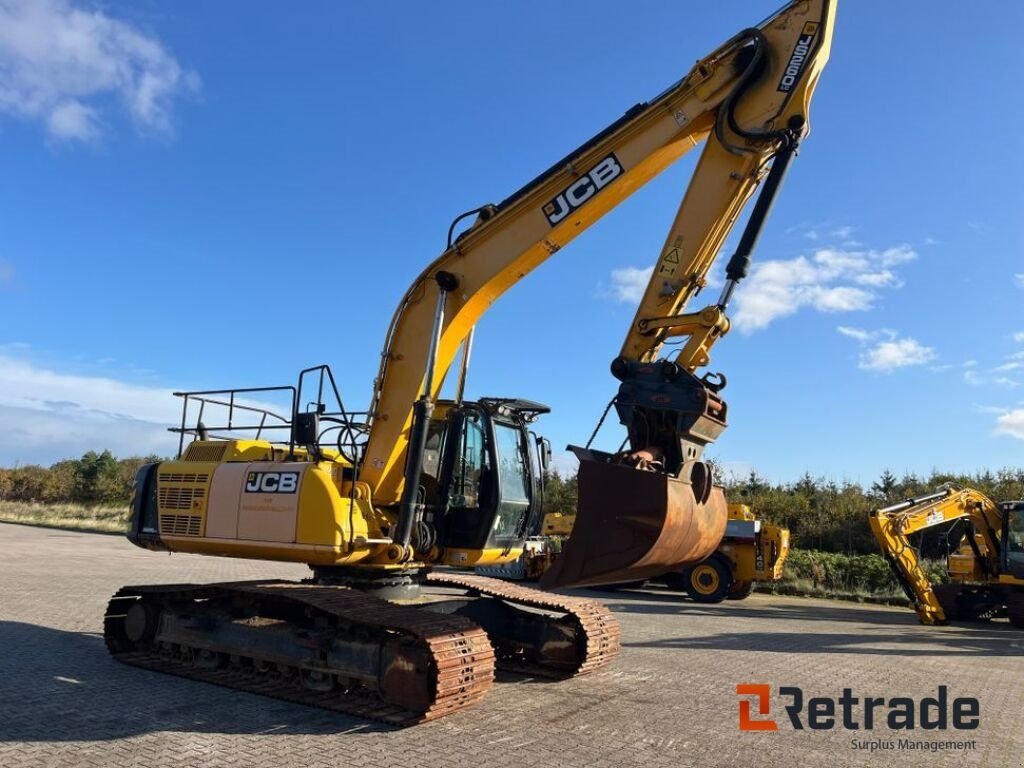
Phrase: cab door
x=469 y=486
x=1013 y=539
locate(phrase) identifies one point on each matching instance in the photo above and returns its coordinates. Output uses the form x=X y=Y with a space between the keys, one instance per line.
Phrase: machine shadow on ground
x=980 y=642
x=677 y=603
x=906 y=638
x=102 y=699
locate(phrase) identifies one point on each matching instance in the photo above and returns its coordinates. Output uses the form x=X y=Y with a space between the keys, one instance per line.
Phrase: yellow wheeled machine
x=381 y=502
x=751 y=551
x=985 y=566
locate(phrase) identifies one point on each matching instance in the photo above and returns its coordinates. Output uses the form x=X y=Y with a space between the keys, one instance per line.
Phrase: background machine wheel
x=708 y=581
x=740 y=590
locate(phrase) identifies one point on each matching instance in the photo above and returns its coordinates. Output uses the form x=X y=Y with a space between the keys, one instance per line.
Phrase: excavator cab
x=481 y=478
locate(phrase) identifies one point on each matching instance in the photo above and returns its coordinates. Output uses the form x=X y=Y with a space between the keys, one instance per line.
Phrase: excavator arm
x=893 y=526
x=748 y=100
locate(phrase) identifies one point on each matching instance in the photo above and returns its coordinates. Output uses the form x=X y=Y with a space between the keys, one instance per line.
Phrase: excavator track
x=597 y=633
x=324 y=646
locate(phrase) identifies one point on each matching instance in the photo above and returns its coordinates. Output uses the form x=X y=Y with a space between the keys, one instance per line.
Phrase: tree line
x=826 y=515
x=94 y=479
x=821 y=514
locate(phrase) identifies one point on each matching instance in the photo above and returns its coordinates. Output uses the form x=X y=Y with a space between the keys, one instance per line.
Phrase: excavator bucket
x=633 y=525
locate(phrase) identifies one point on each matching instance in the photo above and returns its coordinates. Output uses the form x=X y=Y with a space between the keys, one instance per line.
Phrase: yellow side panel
x=325 y=517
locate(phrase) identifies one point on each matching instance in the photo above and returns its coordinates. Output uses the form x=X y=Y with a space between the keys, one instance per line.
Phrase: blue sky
x=205 y=194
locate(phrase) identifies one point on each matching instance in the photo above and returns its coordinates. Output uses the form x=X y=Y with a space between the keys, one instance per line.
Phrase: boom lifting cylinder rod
x=422 y=411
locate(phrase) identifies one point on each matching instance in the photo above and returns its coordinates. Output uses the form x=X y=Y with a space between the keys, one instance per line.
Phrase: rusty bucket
x=633 y=525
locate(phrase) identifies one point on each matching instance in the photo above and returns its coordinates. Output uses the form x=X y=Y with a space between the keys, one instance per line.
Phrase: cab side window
x=471 y=464
x=1015 y=530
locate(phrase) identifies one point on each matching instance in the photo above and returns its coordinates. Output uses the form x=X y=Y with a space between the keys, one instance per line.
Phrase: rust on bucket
x=633 y=525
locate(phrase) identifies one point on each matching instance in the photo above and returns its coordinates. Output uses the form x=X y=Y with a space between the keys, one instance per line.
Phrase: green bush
x=837 y=573
x=94 y=479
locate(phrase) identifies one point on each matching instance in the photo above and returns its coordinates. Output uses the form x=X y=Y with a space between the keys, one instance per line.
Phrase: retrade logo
x=855 y=713
x=763 y=694
x=583 y=189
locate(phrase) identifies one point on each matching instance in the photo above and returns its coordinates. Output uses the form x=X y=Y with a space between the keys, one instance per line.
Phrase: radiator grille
x=183 y=477
x=180 y=525
x=173 y=497
x=205 y=452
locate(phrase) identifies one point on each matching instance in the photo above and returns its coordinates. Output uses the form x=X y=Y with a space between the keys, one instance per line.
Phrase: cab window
x=1014 y=544
x=514 y=480
x=1015 y=530
x=471 y=464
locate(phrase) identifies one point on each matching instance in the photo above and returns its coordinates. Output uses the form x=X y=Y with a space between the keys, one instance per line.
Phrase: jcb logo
x=581 y=190
x=763 y=694
x=272 y=482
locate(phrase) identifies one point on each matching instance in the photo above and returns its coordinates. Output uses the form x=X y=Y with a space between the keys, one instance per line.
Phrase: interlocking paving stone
x=668 y=700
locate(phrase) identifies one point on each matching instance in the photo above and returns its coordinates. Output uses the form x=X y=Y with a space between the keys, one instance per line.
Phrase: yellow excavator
x=751 y=551
x=986 y=570
x=378 y=502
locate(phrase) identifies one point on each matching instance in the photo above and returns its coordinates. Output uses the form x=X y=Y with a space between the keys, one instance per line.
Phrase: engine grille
x=174 y=497
x=184 y=477
x=180 y=525
x=205 y=452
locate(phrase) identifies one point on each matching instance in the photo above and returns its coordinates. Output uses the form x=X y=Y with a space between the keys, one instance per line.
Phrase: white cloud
x=897 y=353
x=1018 y=279
x=882 y=279
x=629 y=283
x=885 y=351
x=73 y=120
x=48 y=414
x=1006 y=367
x=60 y=65
x=995 y=374
x=1019 y=337
x=831 y=280
x=1011 y=423
x=855 y=333
x=972 y=377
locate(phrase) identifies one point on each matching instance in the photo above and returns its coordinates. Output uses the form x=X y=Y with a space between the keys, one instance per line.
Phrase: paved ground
x=669 y=700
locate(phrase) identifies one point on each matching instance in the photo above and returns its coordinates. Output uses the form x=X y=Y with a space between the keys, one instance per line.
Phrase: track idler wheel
x=141 y=622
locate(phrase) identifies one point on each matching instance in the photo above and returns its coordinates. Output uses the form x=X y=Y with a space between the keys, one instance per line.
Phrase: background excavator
x=985 y=566
x=375 y=501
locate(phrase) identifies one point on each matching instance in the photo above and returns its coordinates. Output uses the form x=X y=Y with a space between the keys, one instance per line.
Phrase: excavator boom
x=744 y=99
x=749 y=102
x=894 y=525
